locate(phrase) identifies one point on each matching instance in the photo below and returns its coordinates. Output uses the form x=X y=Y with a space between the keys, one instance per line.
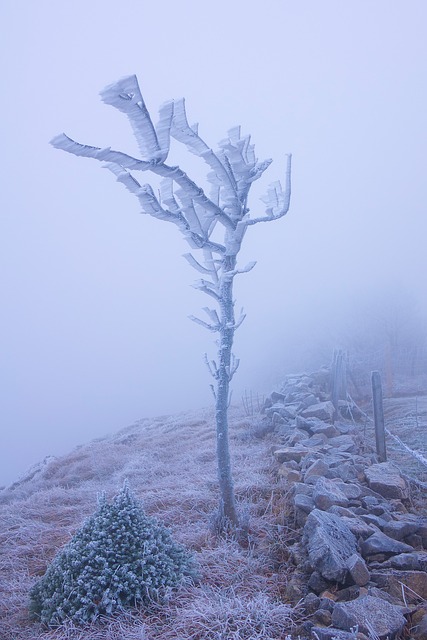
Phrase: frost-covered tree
x=119 y=558
x=214 y=224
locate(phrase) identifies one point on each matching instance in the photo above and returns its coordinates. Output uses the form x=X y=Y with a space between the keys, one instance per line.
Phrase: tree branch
x=62 y=141
x=276 y=199
x=204 y=324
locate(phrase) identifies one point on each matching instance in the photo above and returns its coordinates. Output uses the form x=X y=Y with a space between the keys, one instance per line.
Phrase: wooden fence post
x=338 y=381
x=377 y=398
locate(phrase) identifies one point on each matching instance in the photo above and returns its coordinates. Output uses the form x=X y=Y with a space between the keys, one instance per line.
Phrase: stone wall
x=361 y=562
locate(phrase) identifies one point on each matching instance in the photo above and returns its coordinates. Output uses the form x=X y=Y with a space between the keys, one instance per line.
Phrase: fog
x=95 y=331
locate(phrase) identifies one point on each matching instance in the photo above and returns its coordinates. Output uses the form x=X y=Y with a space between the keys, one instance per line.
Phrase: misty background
x=95 y=297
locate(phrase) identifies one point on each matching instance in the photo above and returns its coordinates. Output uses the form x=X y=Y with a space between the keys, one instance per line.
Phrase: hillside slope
x=170 y=463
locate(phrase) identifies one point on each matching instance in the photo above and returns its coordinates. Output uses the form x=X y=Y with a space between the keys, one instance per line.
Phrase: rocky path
x=362 y=558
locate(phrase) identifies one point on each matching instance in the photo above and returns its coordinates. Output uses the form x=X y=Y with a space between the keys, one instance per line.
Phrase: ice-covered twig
x=196 y=265
x=277 y=200
x=204 y=324
x=126 y=161
x=212 y=367
x=208 y=287
x=234 y=366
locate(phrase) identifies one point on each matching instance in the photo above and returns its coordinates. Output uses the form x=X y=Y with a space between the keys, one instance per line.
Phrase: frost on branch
x=214 y=224
x=233 y=168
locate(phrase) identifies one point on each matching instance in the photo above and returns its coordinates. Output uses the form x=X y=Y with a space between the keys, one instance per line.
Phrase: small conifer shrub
x=119 y=558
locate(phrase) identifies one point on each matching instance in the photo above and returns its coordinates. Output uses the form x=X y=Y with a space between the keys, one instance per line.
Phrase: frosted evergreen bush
x=119 y=558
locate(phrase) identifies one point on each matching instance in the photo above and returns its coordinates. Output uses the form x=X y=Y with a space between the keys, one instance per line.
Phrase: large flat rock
x=369 y=614
x=385 y=479
x=412 y=583
x=329 y=544
x=378 y=542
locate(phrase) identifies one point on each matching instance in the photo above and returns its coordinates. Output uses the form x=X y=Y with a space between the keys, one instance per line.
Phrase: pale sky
x=94 y=329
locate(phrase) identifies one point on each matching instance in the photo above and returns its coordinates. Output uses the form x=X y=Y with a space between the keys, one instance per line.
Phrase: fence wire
x=408 y=418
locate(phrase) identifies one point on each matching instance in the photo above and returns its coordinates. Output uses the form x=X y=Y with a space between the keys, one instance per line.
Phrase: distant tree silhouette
x=233 y=169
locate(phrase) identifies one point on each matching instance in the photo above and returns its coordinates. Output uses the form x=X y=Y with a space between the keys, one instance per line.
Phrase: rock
x=318 y=440
x=378 y=542
x=301 y=423
x=400 y=529
x=277 y=397
x=385 y=479
x=295 y=437
x=346 y=471
x=277 y=419
x=369 y=614
x=416 y=561
x=316 y=469
x=350 y=593
x=291 y=453
x=323 y=616
x=317 y=583
x=357 y=526
x=301 y=487
x=303 y=502
x=415 y=541
x=326 y=603
x=419 y=632
x=369 y=502
x=326 y=493
x=320 y=427
x=296 y=588
x=378 y=593
x=290 y=475
x=342 y=511
x=358 y=570
x=328 y=633
x=392 y=580
x=329 y=544
x=371 y=519
x=306 y=400
x=350 y=490
x=397 y=506
x=287 y=412
x=310 y=603
x=343 y=443
x=323 y=411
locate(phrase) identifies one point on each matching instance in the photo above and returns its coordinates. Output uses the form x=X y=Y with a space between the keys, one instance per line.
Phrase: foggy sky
x=95 y=297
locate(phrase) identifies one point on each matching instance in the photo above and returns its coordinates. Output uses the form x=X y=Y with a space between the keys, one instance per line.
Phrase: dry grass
x=170 y=463
x=406 y=418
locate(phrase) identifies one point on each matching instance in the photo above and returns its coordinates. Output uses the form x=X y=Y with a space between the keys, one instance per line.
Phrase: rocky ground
x=361 y=560
x=333 y=544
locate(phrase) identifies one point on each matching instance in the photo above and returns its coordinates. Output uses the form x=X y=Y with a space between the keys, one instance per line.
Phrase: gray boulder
x=358 y=570
x=399 y=529
x=378 y=542
x=291 y=453
x=328 y=633
x=316 y=469
x=415 y=561
x=413 y=584
x=328 y=430
x=385 y=479
x=326 y=493
x=329 y=544
x=303 y=502
x=369 y=614
x=322 y=410
x=343 y=443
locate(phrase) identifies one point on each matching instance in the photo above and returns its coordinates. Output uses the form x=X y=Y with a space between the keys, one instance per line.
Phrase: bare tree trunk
x=227 y=507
